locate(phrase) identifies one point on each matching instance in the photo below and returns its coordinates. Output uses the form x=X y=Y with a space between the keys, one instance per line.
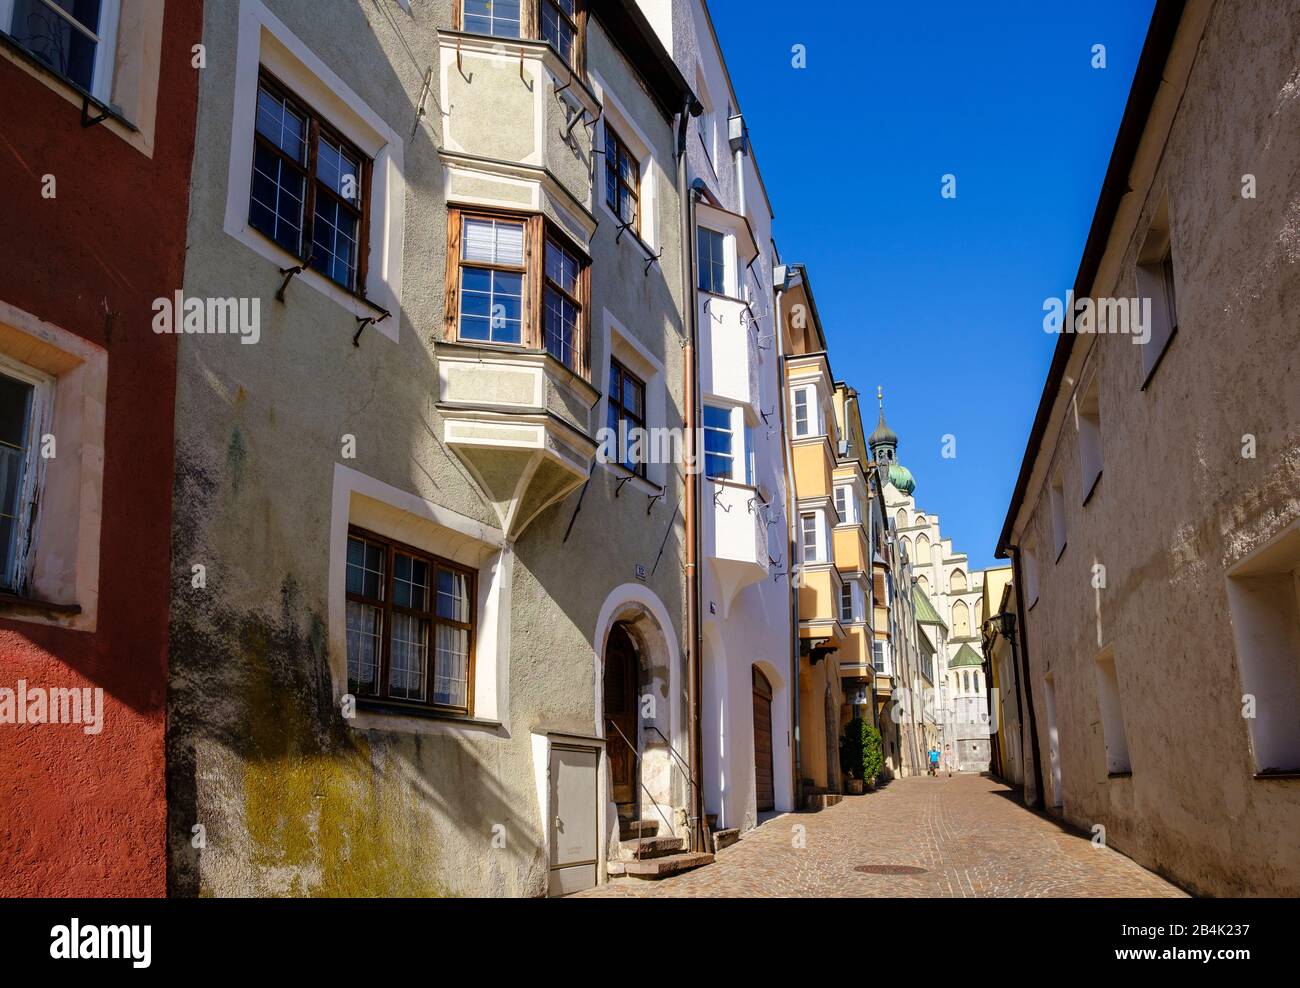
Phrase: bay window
x=500 y=18
x=719 y=443
x=514 y=280
x=560 y=23
x=712 y=261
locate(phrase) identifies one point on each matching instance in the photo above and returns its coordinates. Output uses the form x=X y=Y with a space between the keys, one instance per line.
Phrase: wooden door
x=621 y=669
x=764 y=788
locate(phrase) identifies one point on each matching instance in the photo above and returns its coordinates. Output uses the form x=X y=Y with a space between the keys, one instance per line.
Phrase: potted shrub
x=861 y=758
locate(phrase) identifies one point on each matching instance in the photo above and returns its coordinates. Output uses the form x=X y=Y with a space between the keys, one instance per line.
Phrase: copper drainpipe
x=691 y=417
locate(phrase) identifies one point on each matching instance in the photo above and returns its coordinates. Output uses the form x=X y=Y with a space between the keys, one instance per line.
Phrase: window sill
x=1119 y=775
x=487 y=351
x=393 y=708
x=1278 y=775
x=1092 y=489
x=634 y=234
x=307 y=269
x=11 y=601
x=642 y=484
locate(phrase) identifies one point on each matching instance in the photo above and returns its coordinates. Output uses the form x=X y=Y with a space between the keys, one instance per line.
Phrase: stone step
x=650 y=847
x=725 y=838
x=673 y=864
x=632 y=829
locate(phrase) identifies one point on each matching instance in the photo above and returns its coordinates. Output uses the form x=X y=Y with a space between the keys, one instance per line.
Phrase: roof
x=966 y=656
x=925 y=612
x=883 y=433
x=1146 y=83
x=636 y=39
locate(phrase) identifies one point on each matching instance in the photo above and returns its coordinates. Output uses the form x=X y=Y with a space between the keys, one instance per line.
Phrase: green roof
x=925 y=612
x=966 y=656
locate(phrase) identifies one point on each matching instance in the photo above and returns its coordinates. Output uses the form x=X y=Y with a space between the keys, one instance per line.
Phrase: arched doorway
x=764 y=781
x=622 y=672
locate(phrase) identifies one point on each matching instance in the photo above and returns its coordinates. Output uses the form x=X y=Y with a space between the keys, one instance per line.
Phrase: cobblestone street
x=969 y=834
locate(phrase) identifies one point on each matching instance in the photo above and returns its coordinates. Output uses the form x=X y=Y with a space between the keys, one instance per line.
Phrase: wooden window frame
x=577 y=301
x=387 y=607
x=615 y=151
x=700 y=266
x=803 y=538
x=625 y=414
x=537 y=230
x=316 y=126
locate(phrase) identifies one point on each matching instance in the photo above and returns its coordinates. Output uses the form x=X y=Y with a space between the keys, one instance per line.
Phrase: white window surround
x=404 y=517
x=615 y=115
x=62 y=561
x=265 y=41
x=624 y=347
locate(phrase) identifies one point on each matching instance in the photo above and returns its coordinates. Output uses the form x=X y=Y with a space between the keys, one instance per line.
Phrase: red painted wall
x=79 y=814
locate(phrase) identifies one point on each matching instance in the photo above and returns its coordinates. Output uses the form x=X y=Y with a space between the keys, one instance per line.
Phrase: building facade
x=814 y=436
x=1002 y=673
x=96 y=140
x=439 y=646
x=748 y=682
x=945 y=577
x=1160 y=618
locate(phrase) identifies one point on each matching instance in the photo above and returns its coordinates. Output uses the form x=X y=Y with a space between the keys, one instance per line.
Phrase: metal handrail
x=637 y=755
x=684 y=768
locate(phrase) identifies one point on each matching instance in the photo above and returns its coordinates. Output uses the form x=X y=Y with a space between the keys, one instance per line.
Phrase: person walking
x=934 y=760
x=947 y=759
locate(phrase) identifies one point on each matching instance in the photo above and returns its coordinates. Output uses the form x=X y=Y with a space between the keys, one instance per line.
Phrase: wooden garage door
x=763 y=789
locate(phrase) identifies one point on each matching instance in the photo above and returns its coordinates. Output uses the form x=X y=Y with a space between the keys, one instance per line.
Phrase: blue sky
x=853 y=149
